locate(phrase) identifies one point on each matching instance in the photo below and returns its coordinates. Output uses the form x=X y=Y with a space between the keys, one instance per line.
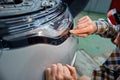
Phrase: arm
x=101 y=27
x=105 y=29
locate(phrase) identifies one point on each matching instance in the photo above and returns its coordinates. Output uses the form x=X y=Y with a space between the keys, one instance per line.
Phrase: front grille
x=10 y=8
x=26 y=23
x=23 y=30
x=2 y=2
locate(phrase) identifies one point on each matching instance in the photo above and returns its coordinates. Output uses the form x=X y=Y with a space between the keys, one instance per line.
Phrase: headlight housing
x=52 y=27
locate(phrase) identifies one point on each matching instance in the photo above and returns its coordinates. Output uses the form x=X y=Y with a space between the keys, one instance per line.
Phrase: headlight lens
x=52 y=29
x=55 y=27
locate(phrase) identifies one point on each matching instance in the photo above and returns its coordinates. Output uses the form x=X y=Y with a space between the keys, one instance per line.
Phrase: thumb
x=71 y=31
x=72 y=71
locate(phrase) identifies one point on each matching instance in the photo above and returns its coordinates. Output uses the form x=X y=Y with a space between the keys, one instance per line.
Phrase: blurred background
x=93 y=50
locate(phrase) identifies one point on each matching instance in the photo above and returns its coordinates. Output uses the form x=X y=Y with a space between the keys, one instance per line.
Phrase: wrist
x=102 y=26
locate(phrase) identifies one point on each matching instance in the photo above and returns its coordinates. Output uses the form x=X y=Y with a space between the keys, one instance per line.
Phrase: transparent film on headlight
x=55 y=27
x=52 y=28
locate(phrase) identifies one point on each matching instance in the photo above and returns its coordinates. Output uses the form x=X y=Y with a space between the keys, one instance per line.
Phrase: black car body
x=33 y=35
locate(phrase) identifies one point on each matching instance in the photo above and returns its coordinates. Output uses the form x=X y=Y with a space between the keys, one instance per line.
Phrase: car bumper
x=29 y=63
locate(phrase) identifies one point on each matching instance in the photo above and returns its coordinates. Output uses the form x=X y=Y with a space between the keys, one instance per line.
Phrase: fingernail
x=67 y=65
x=71 y=31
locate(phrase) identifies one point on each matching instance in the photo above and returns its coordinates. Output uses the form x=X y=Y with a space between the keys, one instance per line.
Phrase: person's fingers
x=76 y=31
x=84 y=77
x=82 y=25
x=60 y=71
x=73 y=71
x=84 y=21
x=79 y=35
x=67 y=74
x=80 y=31
x=66 y=70
x=81 y=20
x=54 y=71
x=48 y=73
x=82 y=35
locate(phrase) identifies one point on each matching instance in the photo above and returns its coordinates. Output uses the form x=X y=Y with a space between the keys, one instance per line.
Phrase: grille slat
x=21 y=24
x=16 y=26
x=20 y=31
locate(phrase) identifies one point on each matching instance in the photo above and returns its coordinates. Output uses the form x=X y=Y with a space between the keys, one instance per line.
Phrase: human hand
x=60 y=72
x=84 y=27
x=84 y=77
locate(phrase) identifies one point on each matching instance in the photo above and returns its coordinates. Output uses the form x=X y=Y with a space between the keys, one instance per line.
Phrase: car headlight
x=52 y=25
x=54 y=31
x=55 y=27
